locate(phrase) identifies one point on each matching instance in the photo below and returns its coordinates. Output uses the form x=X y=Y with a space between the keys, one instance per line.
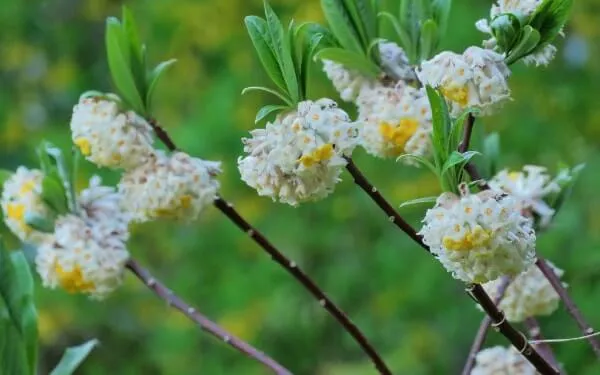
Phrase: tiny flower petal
x=346 y=82
x=502 y=361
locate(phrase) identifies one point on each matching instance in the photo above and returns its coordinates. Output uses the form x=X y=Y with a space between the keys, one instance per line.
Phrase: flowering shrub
x=414 y=103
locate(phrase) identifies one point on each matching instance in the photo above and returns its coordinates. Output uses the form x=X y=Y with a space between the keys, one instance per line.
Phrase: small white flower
x=21 y=198
x=347 y=83
x=477 y=78
x=176 y=186
x=479 y=237
x=300 y=156
x=529 y=294
x=76 y=259
x=529 y=188
x=394 y=121
x=395 y=62
x=502 y=361
x=108 y=137
x=541 y=57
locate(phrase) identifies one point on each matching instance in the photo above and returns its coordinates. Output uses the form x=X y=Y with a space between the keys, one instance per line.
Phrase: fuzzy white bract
x=80 y=259
x=477 y=78
x=21 y=198
x=394 y=121
x=528 y=295
x=395 y=62
x=300 y=156
x=347 y=82
x=529 y=187
x=177 y=186
x=479 y=237
x=499 y=360
x=108 y=137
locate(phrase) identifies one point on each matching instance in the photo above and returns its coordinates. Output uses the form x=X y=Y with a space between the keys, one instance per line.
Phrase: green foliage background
x=414 y=312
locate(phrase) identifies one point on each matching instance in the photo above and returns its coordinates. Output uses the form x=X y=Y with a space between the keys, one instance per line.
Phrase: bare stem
x=535 y=333
x=291 y=267
x=162 y=134
x=483 y=329
x=203 y=322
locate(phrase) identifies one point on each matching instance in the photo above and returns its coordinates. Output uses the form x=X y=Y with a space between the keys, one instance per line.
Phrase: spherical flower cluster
x=346 y=82
x=521 y=9
x=108 y=137
x=21 y=198
x=477 y=78
x=529 y=187
x=300 y=156
x=395 y=120
x=502 y=361
x=176 y=186
x=529 y=294
x=479 y=237
x=80 y=259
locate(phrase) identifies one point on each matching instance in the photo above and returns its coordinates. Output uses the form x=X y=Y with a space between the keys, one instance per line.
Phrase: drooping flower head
x=479 y=237
x=502 y=361
x=177 y=186
x=299 y=156
x=477 y=78
x=528 y=295
x=394 y=120
x=529 y=187
x=109 y=137
x=22 y=198
x=347 y=82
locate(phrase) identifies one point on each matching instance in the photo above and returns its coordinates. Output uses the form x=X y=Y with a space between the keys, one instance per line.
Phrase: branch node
x=151 y=282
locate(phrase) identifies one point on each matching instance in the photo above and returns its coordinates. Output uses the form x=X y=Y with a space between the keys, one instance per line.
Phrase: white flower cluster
x=87 y=253
x=347 y=82
x=108 y=137
x=499 y=360
x=529 y=187
x=529 y=294
x=521 y=9
x=169 y=186
x=21 y=198
x=300 y=156
x=477 y=78
x=395 y=62
x=394 y=120
x=479 y=237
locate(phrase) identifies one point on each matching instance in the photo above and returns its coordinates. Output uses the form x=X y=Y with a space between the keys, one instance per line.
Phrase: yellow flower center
x=16 y=211
x=322 y=153
x=477 y=237
x=73 y=281
x=84 y=146
x=27 y=187
x=514 y=176
x=398 y=134
x=459 y=94
x=184 y=202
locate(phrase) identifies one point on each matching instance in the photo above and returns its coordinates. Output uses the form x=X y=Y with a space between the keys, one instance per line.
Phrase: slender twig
x=476 y=291
x=291 y=267
x=203 y=322
x=535 y=335
x=483 y=329
x=570 y=306
x=467 y=131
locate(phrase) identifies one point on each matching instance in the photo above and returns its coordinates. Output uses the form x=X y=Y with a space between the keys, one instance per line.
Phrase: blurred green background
x=412 y=310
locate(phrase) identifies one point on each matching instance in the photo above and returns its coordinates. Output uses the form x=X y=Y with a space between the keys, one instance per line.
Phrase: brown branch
x=483 y=329
x=293 y=268
x=535 y=333
x=570 y=306
x=203 y=322
x=467 y=131
x=162 y=134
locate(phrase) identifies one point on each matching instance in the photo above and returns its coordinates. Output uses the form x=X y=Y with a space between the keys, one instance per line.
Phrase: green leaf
x=506 y=28
x=4 y=176
x=367 y=11
x=428 y=40
x=39 y=223
x=283 y=52
x=441 y=13
x=135 y=51
x=154 y=77
x=441 y=125
x=528 y=41
x=120 y=65
x=73 y=357
x=405 y=38
x=312 y=36
x=458 y=159
x=263 y=44
x=267 y=110
x=349 y=60
x=357 y=22
x=340 y=22
x=424 y=200
x=566 y=179
x=410 y=18
x=270 y=91
x=549 y=18
x=419 y=160
x=64 y=175
x=491 y=149
x=12 y=351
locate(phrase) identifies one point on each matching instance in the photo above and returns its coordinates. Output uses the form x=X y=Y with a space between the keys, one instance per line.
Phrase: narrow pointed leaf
x=263 y=44
x=349 y=60
x=340 y=22
x=267 y=110
x=405 y=39
x=528 y=41
x=132 y=38
x=428 y=39
x=73 y=357
x=549 y=18
x=441 y=13
x=424 y=200
x=281 y=96
x=155 y=77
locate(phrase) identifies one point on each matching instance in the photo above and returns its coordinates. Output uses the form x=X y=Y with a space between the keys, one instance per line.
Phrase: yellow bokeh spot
x=459 y=95
x=73 y=281
x=399 y=134
x=322 y=153
x=84 y=146
x=477 y=237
